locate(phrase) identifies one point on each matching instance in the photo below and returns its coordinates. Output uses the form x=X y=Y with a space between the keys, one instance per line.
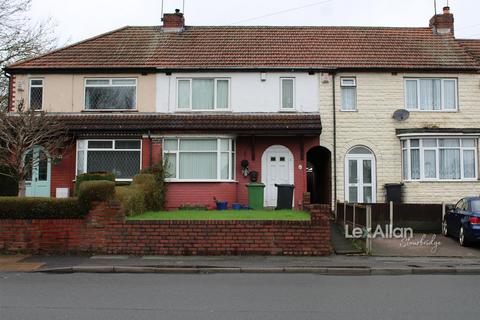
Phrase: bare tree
x=23 y=131
x=21 y=38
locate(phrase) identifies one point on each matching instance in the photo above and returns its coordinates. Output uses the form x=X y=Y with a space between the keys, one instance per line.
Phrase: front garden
x=281 y=215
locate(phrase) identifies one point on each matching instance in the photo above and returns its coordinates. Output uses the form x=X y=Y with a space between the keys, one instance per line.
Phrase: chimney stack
x=442 y=23
x=173 y=22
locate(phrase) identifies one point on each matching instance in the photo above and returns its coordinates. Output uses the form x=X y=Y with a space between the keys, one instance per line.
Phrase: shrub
x=100 y=190
x=158 y=171
x=8 y=185
x=40 y=208
x=92 y=177
x=153 y=197
x=132 y=199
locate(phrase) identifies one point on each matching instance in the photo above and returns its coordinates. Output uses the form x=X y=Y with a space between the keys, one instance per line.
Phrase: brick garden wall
x=105 y=230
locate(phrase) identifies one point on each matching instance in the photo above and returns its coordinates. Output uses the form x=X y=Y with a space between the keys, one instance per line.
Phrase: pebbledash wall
x=105 y=230
x=179 y=193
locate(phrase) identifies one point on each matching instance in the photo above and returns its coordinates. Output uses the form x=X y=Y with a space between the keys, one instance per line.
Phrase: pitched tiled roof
x=472 y=46
x=261 y=47
x=241 y=123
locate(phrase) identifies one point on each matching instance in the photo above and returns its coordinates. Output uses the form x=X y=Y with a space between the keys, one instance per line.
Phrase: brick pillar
x=306 y=201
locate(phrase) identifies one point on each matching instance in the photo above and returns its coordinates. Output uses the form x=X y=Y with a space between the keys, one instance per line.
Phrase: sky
x=77 y=20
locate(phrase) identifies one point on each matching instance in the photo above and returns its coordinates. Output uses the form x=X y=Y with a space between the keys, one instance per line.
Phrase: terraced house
x=309 y=106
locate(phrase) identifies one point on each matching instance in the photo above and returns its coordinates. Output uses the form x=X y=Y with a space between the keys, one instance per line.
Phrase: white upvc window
x=121 y=157
x=35 y=95
x=110 y=94
x=199 y=159
x=203 y=94
x=287 y=93
x=349 y=94
x=431 y=94
x=440 y=159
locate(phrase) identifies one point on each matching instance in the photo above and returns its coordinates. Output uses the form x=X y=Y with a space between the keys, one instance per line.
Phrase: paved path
x=236 y=296
x=17 y=263
x=340 y=244
x=424 y=245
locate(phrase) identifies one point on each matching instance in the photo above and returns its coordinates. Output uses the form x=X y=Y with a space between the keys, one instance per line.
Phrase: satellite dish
x=401 y=114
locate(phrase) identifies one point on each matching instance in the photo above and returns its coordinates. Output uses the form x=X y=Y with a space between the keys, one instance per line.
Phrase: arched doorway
x=319 y=177
x=277 y=168
x=360 y=175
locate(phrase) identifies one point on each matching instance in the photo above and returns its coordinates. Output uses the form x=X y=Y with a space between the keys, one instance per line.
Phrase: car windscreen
x=475 y=205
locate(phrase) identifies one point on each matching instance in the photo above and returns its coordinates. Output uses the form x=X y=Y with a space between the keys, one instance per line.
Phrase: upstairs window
x=110 y=94
x=203 y=94
x=440 y=159
x=431 y=94
x=349 y=94
x=287 y=93
x=36 y=94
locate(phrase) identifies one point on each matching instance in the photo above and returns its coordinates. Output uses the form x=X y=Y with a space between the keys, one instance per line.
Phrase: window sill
x=200 y=181
x=108 y=110
x=341 y=110
x=203 y=110
x=440 y=181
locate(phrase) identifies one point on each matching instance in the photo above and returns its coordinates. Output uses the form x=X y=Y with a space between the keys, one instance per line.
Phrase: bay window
x=191 y=159
x=440 y=159
x=203 y=94
x=110 y=94
x=120 y=157
x=431 y=94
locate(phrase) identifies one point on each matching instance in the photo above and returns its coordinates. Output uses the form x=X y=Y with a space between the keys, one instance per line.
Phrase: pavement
x=332 y=265
x=32 y=296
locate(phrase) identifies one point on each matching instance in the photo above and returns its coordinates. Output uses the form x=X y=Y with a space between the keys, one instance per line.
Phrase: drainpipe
x=150 y=148
x=334 y=145
x=10 y=87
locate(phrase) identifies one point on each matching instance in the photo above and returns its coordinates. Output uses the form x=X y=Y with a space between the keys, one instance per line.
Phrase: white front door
x=360 y=176
x=277 y=168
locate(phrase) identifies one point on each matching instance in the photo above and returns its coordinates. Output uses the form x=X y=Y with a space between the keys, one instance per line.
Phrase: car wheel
x=461 y=238
x=444 y=228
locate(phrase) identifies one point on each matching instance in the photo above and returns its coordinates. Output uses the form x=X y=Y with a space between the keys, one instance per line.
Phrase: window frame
x=343 y=85
x=30 y=86
x=87 y=149
x=294 y=93
x=231 y=152
x=215 y=92
x=442 y=94
x=407 y=176
x=109 y=85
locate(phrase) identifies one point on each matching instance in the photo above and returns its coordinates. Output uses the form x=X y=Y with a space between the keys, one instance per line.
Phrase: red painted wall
x=180 y=193
x=64 y=172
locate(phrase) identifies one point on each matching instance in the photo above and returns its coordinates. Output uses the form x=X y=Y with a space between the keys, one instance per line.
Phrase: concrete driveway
x=423 y=245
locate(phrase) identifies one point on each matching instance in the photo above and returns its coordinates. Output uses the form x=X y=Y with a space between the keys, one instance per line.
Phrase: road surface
x=237 y=296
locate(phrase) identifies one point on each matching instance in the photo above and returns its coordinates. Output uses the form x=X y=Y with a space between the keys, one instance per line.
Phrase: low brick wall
x=105 y=230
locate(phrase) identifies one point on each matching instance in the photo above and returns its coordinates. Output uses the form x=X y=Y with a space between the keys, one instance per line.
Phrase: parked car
x=463 y=221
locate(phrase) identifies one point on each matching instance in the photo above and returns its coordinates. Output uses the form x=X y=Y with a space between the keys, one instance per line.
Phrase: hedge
x=93 y=176
x=147 y=183
x=91 y=191
x=40 y=208
x=132 y=199
x=159 y=172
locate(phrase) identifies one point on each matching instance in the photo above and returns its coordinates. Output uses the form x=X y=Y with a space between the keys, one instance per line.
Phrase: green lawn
x=288 y=215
